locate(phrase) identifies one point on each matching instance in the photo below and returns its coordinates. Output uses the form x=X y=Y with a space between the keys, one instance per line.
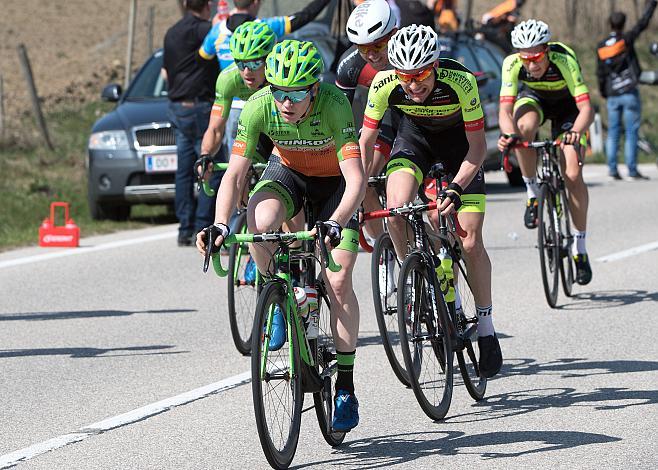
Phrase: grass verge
x=31 y=178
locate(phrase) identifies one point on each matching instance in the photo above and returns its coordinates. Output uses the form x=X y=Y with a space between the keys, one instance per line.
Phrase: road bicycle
x=243 y=278
x=305 y=363
x=554 y=236
x=436 y=308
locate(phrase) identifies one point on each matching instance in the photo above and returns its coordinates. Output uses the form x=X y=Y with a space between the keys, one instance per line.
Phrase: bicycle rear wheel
x=242 y=290
x=548 y=244
x=327 y=368
x=566 y=242
x=276 y=382
x=384 y=276
x=426 y=345
x=466 y=321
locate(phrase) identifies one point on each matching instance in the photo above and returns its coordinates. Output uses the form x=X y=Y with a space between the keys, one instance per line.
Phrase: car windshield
x=148 y=84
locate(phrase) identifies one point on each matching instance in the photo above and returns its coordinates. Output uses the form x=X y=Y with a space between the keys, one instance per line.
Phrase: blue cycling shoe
x=278 y=332
x=346 y=411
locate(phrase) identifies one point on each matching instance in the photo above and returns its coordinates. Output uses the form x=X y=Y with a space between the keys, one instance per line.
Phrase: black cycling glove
x=213 y=231
x=333 y=232
x=454 y=193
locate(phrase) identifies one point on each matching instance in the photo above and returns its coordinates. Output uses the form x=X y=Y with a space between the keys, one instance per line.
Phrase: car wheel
x=106 y=211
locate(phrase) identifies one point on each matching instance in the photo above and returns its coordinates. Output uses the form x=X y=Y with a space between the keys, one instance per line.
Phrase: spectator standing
x=191 y=81
x=618 y=72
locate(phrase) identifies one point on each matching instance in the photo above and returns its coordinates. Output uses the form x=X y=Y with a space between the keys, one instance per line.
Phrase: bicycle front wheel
x=276 y=382
x=548 y=244
x=466 y=320
x=566 y=242
x=424 y=337
x=327 y=368
x=242 y=290
x=384 y=276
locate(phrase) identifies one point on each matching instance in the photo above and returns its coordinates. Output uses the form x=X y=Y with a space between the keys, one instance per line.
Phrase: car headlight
x=109 y=140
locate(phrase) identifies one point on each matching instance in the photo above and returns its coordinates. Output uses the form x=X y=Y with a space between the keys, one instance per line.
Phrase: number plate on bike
x=162 y=163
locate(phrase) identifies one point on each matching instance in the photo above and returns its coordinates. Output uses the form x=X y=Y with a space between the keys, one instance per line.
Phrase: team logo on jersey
x=473 y=101
x=384 y=81
x=460 y=79
x=347 y=130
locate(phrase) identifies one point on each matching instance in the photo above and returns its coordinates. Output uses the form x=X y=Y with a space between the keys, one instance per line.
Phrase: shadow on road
x=33 y=316
x=384 y=451
x=609 y=299
x=90 y=352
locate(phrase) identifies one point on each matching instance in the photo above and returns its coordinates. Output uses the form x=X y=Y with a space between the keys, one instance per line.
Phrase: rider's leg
x=401 y=188
x=265 y=212
x=576 y=187
x=374 y=227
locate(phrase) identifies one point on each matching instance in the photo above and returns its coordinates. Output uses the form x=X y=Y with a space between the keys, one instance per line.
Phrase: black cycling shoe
x=583 y=269
x=491 y=358
x=530 y=217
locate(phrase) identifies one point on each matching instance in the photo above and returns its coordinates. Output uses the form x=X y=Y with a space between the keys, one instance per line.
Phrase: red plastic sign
x=59 y=235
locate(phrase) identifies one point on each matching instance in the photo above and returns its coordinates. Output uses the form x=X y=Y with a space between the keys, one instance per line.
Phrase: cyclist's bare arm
x=473 y=160
x=355 y=190
x=367 y=142
x=507 y=125
x=212 y=138
x=585 y=117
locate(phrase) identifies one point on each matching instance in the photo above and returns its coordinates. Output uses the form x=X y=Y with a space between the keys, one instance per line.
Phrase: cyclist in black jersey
x=442 y=120
x=552 y=88
x=369 y=28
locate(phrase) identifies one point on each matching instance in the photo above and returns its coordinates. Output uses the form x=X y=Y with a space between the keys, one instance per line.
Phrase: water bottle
x=446 y=265
x=250 y=271
x=302 y=302
x=313 y=312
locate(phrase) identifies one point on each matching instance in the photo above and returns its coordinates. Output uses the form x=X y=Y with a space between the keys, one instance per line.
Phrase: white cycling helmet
x=413 y=47
x=530 y=33
x=370 y=21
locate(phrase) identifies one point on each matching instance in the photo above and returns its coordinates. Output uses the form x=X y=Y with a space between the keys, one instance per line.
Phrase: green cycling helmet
x=293 y=63
x=252 y=40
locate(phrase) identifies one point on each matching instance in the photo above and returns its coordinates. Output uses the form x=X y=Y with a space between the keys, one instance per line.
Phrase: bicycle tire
x=242 y=296
x=279 y=454
x=465 y=321
x=421 y=304
x=547 y=237
x=567 y=267
x=386 y=306
x=326 y=366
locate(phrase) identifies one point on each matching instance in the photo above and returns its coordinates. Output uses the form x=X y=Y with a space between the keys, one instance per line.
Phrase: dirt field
x=77 y=46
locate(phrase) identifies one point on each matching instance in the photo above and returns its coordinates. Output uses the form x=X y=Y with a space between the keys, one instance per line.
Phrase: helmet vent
x=375 y=27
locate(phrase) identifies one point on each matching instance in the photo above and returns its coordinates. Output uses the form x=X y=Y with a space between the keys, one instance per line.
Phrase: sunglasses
x=526 y=59
x=418 y=76
x=294 y=96
x=375 y=47
x=249 y=64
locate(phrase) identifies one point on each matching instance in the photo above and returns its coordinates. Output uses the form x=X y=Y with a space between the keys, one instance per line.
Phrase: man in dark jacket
x=618 y=73
x=191 y=81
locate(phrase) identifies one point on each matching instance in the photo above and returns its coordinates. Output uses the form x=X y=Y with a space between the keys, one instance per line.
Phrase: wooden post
x=2 y=111
x=131 y=40
x=611 y=5
x=32 y=89
x=150 y=20
x=181 y=6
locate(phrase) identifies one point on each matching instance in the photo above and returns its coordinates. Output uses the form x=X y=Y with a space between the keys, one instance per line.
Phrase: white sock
x=532 y=188
x=579 y=246
x=485 y=321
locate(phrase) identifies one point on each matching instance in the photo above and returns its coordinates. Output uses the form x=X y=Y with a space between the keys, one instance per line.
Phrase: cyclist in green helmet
x=250 y=44
x=317 y=159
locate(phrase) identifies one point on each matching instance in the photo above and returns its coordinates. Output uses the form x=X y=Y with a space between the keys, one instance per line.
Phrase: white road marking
x=22 y=455
x=628 y=253
x=84 y=250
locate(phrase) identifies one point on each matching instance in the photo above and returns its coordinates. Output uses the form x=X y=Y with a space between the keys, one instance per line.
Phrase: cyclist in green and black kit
x=552 y=87
x=442 y=120
x=317 y=159
x=250 y=44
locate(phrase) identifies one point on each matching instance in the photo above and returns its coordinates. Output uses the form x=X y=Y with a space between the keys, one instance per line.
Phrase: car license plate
x=165 y=163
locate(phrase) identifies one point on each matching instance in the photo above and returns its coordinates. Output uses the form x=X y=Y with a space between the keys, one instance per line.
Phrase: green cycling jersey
x=313 y=146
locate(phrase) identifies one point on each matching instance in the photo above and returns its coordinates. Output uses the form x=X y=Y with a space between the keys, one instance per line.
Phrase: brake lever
x=208 y=255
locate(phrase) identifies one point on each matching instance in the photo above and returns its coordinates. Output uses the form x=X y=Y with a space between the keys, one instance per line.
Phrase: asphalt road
x=105 y=350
